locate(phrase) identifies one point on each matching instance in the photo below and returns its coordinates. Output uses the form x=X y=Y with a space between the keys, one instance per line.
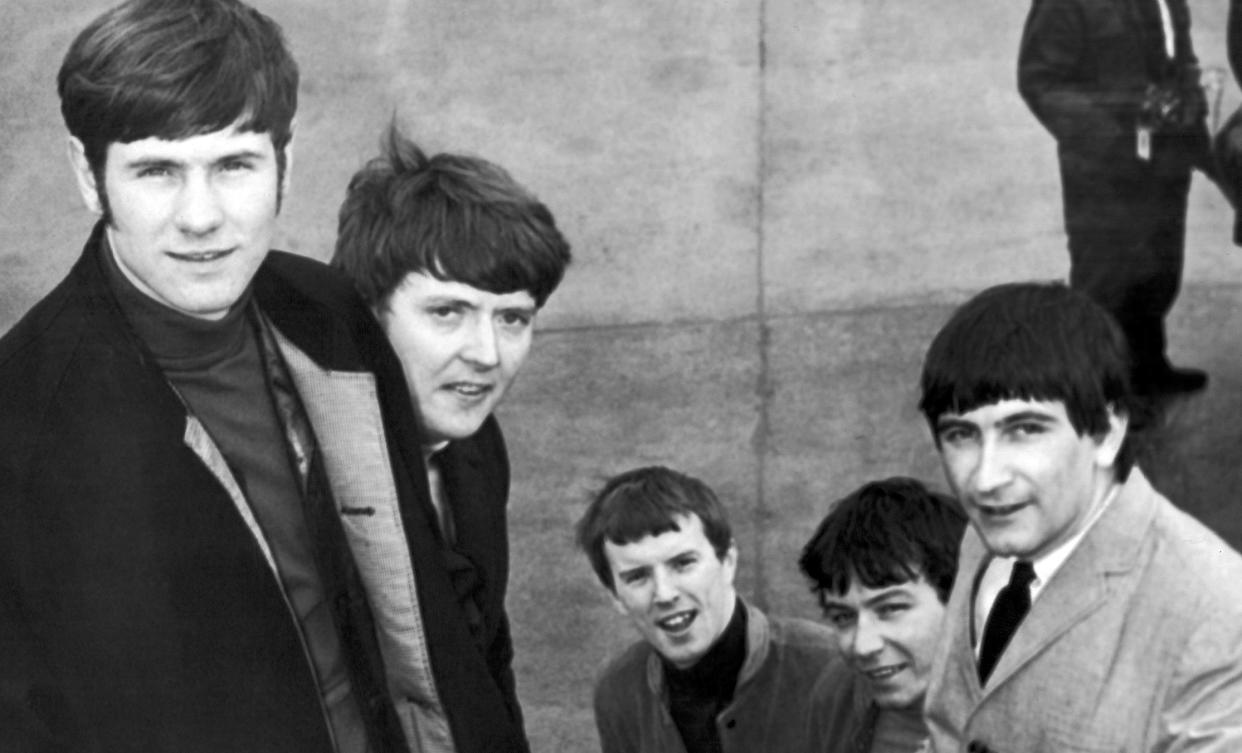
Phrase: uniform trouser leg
x=1126 y=242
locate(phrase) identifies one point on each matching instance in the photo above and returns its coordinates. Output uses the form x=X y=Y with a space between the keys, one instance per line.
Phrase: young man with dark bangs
x=882 y=563
x=455 y=259
x=192 y=426
x=712 y=673
x=1088 y=612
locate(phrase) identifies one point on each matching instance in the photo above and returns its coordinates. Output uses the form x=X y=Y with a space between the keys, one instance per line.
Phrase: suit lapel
x=974 y=559
x=1075 y=591
x=1082 y=584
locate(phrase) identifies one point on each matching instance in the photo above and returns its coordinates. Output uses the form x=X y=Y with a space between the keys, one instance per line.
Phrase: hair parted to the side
x=454 y=217
x=1032 y=341
x=646 y=502
x=172 y=69
x=883 y=534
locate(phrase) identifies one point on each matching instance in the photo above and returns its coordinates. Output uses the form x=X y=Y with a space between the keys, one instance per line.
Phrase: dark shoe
x=1172 y=382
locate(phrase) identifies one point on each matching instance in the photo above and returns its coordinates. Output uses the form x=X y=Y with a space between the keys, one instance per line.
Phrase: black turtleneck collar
x=697 y=694
x=715 y=675
x=177 y=340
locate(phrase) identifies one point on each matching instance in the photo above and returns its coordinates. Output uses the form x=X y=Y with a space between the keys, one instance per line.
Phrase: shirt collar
x=1047 y=564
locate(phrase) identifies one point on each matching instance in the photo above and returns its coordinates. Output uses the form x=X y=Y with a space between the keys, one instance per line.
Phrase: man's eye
x=1028 y=428
x=516 y=319
x=443 y=312
x=840 y=619
x=684 y=563
x=954 y=435
x=153 y=172
x=891 y=610
x=233 y=166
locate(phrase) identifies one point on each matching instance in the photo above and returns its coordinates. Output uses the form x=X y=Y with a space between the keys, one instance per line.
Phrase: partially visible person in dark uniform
x=1234 y=39
x=1117 y=85
x=1227 y=143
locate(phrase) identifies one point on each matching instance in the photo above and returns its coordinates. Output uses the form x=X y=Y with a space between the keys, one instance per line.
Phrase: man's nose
x=481 y=348
x=198 y=207
x=665 y=590
x=867 y=640
x=991 y=470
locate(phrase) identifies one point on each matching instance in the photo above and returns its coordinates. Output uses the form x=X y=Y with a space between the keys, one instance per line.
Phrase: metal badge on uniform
x=1144 y=143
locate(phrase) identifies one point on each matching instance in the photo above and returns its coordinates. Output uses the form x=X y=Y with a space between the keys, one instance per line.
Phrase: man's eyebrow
x=948 y=422
x=1028 y=415
x=242 y=154
x=142 y=163
x=895 y=592
x=448 y=300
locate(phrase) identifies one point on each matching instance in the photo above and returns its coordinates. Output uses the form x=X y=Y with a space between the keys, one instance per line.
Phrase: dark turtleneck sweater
x=217 y=367
x=699 y=693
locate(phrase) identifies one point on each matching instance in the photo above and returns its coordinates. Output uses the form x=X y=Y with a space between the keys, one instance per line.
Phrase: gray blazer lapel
x=974 y=558
x=1082 y=585
x=1075 y=591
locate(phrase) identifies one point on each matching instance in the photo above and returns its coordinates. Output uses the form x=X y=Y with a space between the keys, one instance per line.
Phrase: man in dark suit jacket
x=178 y=420
x=456 y=259
x=1088 y=613
x=1116 y=83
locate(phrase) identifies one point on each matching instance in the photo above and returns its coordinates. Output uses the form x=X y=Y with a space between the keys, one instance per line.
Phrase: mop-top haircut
x=1032 y=341
x=453 y=217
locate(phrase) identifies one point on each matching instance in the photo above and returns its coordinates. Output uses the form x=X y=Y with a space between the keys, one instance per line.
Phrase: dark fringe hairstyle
x=454 y=217
x=174 y=69
x=1032 y=341
x=645 y=502
x=883 y=534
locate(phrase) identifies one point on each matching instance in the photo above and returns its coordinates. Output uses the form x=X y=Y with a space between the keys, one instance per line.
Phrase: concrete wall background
x=773 y=205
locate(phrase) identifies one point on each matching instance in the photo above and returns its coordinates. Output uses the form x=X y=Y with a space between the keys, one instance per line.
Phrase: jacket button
x=976 y=747
x=731 y=723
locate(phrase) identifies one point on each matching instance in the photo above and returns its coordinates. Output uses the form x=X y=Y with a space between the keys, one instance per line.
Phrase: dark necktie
x=1012 y=604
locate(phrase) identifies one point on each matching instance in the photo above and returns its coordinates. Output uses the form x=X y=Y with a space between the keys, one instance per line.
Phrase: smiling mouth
x=200 y=256
x=677 y=623
x=468 y=389
x=999 y=511
x=879 y=674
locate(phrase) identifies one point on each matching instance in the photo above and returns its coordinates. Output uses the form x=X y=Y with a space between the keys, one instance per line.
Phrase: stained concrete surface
x=774 y=204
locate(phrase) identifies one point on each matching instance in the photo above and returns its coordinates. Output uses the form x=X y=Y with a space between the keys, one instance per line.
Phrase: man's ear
x=1108 y=443
x=729 y=563
x=284 y=179
x=84 y=175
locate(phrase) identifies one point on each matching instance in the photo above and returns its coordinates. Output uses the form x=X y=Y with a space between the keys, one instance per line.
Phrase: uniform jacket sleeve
x=1060 y=76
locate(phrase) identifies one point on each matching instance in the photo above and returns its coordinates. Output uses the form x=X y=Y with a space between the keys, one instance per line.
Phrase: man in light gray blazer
x=1089 y=613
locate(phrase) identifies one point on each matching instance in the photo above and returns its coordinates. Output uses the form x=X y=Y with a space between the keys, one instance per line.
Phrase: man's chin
x=899 y=701
x=452 y=431
x=682 y=657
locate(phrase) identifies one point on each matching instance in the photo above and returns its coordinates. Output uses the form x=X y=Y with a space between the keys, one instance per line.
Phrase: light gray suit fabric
x=1134 y=645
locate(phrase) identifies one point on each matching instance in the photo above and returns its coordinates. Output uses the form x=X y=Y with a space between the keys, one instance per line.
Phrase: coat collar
x=758 y=645
x=104 y=312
